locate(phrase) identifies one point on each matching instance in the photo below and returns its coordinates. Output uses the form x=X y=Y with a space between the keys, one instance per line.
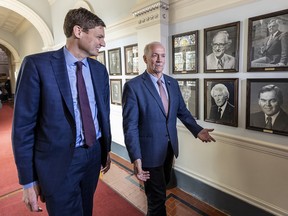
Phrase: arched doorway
x=39 y=25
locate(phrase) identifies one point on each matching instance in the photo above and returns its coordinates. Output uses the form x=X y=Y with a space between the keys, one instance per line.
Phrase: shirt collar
x=155 y=79
x=273 y=117
x=71 y=59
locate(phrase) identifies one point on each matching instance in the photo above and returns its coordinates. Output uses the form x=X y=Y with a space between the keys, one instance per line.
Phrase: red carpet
x=107 y=202
x=8 y=173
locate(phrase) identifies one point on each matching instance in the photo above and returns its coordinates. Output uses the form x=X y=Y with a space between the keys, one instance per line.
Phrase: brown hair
x=83 y=18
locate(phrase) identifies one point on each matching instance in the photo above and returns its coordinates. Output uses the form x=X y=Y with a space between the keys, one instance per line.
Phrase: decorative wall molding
x=152 y=7
x=157 y=12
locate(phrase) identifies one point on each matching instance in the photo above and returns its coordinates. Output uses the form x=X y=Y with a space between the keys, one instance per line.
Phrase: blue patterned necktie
x=86 y=114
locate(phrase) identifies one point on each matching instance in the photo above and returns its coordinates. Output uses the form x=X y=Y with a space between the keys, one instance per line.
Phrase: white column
x=152 y=18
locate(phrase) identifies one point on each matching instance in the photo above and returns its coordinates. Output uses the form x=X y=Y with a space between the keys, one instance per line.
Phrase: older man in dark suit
x=275 y=47
x=151 y=104
x=222 y=111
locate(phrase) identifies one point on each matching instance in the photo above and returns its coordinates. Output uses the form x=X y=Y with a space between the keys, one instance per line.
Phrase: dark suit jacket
x=277 y=50
x=280 y=124
x=228 y=114
x=44 y=129
x=146 y=128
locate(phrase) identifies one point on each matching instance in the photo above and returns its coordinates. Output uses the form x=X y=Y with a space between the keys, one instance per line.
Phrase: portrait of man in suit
x=222 y=111
x=218 y=59
x=116 y=91
x=129 y=61
x=272 y=116
x=273 y=49
x=114 y=62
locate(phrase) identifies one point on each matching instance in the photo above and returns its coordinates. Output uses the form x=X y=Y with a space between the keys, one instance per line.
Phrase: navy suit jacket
x=146 y=128
x=44 y=130
x=280 y=124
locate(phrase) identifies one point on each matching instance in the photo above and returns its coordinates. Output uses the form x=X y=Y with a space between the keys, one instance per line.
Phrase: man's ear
x=77 y=30
x=145 y=59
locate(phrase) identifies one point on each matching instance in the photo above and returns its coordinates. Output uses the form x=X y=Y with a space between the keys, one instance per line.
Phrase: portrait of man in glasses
x=219 y=59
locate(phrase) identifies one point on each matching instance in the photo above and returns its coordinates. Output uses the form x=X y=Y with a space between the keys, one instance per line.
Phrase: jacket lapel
x=171 y=92
x=59 y=68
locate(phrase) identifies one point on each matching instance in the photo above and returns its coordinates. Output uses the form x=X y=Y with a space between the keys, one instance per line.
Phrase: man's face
x=219 y=45
x=272 y=27
x=155 y=59
x=268 y=103
x=219 y=97
x=91 y=42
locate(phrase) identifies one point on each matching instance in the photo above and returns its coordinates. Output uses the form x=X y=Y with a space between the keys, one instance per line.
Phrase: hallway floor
x=178 y=203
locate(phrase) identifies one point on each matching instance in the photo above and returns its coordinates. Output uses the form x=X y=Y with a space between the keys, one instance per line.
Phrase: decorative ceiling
x=12 y=22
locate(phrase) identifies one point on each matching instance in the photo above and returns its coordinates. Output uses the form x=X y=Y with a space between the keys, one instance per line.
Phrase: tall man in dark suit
x=222 y=111
x=53 y=154
x=149 y=124
x=275 y=47
x=272 y=116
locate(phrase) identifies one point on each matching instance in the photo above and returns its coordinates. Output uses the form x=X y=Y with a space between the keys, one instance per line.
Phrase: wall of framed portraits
x=248 y=161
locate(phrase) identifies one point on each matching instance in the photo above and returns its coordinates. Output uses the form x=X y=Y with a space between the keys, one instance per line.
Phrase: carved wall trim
x=153 y=13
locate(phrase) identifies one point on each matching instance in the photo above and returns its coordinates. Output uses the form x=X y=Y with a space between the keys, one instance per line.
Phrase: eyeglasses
x=219 y=45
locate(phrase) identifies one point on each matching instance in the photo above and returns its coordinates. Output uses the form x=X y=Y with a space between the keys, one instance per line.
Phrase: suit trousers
x=74 y=197
x=155 y=187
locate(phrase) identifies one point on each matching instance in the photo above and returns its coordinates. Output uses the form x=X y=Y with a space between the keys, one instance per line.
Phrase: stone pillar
x=152 y=18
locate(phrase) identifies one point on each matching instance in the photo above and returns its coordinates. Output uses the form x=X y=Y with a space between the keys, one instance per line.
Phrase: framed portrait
x=221 y=101
x=268 y=42
x=131 y=59
x=189 y=90
x=267 y=105
x=221 y=48
x=185 y=53
x=114 y=56
x=116 y=91
x=101 y=57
